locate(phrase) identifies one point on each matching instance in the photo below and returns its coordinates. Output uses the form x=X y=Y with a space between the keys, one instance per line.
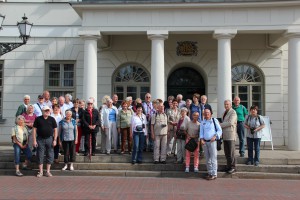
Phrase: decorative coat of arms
x=187 y=48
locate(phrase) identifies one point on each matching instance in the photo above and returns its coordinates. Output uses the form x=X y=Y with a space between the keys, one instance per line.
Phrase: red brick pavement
x=145 y=188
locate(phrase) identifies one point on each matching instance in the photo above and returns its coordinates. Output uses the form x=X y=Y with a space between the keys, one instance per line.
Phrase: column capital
x=224 y=33
x=158 y=34
x=292 y=33
x=89 y=34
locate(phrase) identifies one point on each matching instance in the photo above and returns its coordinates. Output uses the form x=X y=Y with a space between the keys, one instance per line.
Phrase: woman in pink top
x=29 y=119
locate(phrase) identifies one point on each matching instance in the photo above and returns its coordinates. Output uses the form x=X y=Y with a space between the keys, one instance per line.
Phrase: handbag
x=180 y=134
x=191 y=145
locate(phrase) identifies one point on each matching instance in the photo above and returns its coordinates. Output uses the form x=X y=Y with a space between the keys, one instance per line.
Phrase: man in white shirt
x=210 y=131
x=47 y=98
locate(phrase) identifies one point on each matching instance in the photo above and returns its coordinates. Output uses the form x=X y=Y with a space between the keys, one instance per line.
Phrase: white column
x=224 y=67
x=294 y=91
x=157 y=63
x=90 y=64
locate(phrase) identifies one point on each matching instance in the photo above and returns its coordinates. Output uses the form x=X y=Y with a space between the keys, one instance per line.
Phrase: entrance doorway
x=185 y=81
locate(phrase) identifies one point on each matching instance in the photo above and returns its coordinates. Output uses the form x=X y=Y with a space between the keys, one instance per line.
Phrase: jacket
x=86 y=120
x=229 y=125
x=105 y=116
x=80 y=113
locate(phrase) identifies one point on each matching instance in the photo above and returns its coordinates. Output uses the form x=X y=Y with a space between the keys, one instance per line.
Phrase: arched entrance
x=185 y=81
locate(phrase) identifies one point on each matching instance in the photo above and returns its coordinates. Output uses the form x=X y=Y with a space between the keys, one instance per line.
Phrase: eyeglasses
x=90 y=103
x=47 y=110
x=148 y=97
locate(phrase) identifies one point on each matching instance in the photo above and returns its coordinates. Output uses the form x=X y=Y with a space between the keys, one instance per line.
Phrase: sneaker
x=64 y=168
x=242 y=155
x=48 y=174
x=39 y=174
x=163 y=162
x=71 y=168
x=133 y=162
x=212 y=178
x=19 y=174
x=187 y=170
x=196 y=170
x=256 y=164
x=231 y=171
x=156 y=162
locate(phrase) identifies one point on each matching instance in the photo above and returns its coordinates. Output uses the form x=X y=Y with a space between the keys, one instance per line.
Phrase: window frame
x=60 y=88
x=1 y=87
x=250 y=85
x=130 y=83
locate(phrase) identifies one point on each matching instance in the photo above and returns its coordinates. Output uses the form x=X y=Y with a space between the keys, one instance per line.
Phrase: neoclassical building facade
x=218 y=48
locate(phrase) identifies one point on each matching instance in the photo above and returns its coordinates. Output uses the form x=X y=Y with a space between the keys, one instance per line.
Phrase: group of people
x=163 y=128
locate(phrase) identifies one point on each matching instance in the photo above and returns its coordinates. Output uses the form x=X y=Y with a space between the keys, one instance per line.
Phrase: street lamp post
x=24 y=28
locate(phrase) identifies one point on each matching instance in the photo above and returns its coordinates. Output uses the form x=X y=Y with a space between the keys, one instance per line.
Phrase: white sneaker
x=187 y=170
x=196 y=170
x=64 y=168
x=71 y=167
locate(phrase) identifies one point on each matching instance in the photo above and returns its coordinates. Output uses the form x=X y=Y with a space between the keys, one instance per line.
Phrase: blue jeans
x=256 y=143
x=210 y=151
x=17 y=151
x=138 y=146
x=241 y=134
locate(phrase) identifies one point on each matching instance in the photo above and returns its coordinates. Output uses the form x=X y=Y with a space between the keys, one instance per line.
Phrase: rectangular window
x=1 y=88
x=60 y=78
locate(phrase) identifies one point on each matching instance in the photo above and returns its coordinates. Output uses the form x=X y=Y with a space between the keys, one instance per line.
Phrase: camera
x=139 y=128
x=252 y=130
x=163 y=125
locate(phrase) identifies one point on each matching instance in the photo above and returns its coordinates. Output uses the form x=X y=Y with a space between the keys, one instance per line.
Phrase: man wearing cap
x=44 y=138
x=38 y=106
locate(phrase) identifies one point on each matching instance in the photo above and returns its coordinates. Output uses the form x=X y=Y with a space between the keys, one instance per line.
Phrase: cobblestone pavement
x=81 y=187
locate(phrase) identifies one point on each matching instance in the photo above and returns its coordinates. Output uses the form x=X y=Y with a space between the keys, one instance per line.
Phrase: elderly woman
x=173 y=117
x=68 y=135
x=29 y=119
x=193 y=129
x=91 y=123
x=254 y=125
x=58 y=117
x=138 y=131
x=181 y=135
x=108 y=124
x=123 y=124
x=20 y=143
x=77 y=115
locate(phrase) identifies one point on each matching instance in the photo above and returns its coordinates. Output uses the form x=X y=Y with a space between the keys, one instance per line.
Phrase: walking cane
x=90 y=139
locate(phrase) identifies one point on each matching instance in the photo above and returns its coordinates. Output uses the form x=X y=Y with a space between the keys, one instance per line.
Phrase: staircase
x=120 y=165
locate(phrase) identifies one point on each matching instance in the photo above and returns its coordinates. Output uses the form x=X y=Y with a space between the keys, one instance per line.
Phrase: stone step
x=148 y=158
x=293 y=169
x=165 y=174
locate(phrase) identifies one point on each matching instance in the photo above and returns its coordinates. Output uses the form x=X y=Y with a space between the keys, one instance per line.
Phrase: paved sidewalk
x=145 y=188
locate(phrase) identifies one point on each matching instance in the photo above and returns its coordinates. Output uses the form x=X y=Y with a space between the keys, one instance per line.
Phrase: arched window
x=247 y=83
x=131 y=80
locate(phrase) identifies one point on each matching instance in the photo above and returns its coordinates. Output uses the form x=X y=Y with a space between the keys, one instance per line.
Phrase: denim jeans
x=241 y=134
x=138 y=146
x=256 y=143
x=17 y=152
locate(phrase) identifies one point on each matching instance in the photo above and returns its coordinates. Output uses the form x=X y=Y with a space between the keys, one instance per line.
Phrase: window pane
x=144 y=91
x=119 y=90
x=68 y=67
x=132 y=91
x=53 y=82
x=54 y=67
x=256 y=89
x=68 y=83
x=243 y=89
x=256 y=97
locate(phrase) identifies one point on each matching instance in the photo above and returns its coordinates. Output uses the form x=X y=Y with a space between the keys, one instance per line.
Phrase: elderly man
x=181 y=103
x=204 y=105
x=148 y=111
x=159 y=131
x=63 y=107
x=241 y=112
x=38 y=107
x=47 y=99
x=44 y=138
x=210 y=131
x=115 y=99
x=68 y=101
x=23 y=107
x=229 y=135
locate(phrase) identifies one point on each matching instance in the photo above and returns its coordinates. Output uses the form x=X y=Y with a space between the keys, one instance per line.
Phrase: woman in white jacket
x=108 y=124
